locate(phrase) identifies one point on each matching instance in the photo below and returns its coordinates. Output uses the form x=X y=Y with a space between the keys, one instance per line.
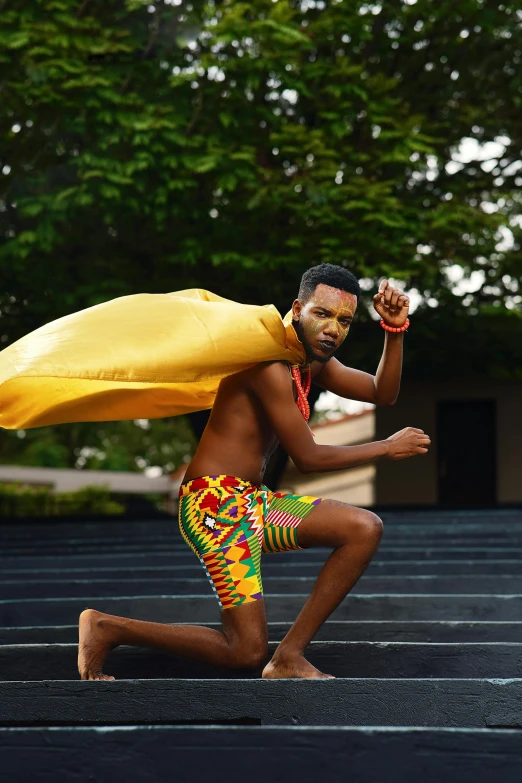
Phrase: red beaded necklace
x=302 y=388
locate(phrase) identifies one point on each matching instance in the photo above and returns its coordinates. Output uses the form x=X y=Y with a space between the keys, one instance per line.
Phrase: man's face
x=322 y=323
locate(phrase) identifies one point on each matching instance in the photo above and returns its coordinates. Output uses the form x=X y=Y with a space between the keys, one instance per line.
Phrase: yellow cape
x=138 y=357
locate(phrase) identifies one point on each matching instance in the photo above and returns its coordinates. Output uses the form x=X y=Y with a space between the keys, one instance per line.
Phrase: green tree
x=148 y=146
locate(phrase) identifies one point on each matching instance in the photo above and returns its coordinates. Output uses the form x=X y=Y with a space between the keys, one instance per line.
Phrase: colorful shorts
x=228 y=522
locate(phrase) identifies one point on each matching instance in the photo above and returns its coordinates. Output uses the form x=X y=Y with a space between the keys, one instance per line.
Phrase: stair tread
x=351 y=701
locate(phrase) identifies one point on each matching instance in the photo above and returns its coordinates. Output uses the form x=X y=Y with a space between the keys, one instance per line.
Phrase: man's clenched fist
x=407 y=443
x=391 y=304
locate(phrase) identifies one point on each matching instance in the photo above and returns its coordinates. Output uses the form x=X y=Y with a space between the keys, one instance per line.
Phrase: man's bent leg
x=355 y=535
x=242 y=643
x=220 y=519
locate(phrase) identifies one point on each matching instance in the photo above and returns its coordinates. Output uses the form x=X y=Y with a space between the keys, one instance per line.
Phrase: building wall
x=355 y=486
x=415 y=480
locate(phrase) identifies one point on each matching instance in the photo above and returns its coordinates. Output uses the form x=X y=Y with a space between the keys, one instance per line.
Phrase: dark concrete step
x=176 y=547
x=199 y=608
x=274 y=566
x=180 y=557
x=275 y=754
x=447 y=542
x=121 y=560
x=291 y=583
x=399 y=533
x=388 y=552
x=402 y=533
x=437 y=631
x=121 y=527
x=463 y=529
x=47 y=534
x=395 y=516
x=451 y=537
x=78 y=534
x=342 y=659
x=493 y=517
x=66 y=526
x=338 y=702
x=92 y=548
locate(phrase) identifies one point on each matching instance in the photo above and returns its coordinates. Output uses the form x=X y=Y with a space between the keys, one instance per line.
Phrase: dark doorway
x=466 y=435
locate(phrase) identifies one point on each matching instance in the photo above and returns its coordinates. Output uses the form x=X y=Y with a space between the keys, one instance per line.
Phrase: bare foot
x=296 y=666
x=94 y=646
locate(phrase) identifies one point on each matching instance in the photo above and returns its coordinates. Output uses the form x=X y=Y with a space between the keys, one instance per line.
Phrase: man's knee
x=367 y=527
x=250 y=654
x=246 y=631
x=373 y=526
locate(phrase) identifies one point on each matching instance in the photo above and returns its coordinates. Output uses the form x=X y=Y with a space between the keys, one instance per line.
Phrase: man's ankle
x=287 y=652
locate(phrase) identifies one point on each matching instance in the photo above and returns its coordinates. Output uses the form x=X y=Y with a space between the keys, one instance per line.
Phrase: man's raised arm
x=383 y=387
x=272 y=384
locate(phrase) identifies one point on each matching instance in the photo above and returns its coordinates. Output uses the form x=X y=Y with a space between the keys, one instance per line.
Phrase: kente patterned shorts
x=228 y=522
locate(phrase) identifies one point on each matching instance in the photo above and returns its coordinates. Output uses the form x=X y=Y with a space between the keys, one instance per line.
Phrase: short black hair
x=328 y=274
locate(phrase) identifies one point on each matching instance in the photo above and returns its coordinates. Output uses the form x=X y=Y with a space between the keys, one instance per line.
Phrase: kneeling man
x=229 y=517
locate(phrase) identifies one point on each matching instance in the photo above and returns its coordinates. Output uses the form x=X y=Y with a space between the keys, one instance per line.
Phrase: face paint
x=325 y=321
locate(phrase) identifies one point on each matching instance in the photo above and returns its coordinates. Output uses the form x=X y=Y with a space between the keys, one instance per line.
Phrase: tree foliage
x=233 y=144
x=149 y=146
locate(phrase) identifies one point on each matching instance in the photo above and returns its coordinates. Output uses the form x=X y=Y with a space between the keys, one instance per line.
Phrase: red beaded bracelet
x=395 y=328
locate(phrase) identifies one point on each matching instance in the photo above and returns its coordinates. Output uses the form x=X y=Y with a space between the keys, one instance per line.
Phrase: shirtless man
x=228 y=517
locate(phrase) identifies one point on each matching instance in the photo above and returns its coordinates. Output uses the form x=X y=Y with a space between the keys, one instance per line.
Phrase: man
x=227 y=516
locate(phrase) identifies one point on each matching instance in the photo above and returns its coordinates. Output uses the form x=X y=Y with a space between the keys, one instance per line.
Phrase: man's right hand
x=407 y=443
x=271 y=382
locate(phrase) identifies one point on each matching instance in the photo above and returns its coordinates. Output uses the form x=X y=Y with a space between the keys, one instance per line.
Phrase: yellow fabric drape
x=142 y=356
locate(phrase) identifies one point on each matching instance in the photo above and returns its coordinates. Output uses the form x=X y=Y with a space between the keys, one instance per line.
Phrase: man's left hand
x=391 y=304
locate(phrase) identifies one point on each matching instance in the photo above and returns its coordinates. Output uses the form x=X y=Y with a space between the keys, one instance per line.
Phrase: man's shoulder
x=273 y=372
